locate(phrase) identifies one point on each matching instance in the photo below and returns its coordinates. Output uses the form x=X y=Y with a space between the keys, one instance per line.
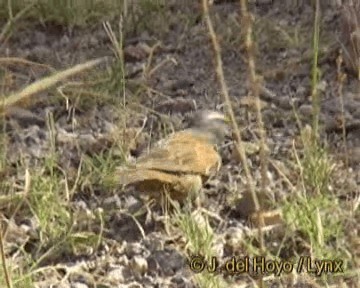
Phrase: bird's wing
x=153 y=182
x=134 y=175
x=182 y=152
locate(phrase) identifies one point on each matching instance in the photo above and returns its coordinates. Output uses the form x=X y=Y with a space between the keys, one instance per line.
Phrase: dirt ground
x=138 y=251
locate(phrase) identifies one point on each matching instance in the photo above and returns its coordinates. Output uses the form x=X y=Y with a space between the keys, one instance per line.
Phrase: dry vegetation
x=284 y=192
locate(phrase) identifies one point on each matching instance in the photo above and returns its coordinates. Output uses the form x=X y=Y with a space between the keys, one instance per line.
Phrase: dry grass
x=350 y=36
x=224 y=91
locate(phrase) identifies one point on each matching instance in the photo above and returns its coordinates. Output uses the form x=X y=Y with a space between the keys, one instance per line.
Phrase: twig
x=16 y=60
x=249 y=44
x=220 y=75
x=341 y=77
x=315 y=73
x=45 y=84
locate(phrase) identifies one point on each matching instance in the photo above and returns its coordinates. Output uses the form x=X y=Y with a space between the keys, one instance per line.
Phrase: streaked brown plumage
x=181 y=162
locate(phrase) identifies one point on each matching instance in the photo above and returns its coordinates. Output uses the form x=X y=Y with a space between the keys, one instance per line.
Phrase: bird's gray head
x=211 y=125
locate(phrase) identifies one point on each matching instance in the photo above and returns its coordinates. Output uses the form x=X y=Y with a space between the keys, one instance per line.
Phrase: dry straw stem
x=315 y=72
x=249 y=44
x=240 y=147
x=20 y=61
x=220 y=74
x=224 y=89
x=350 y=35
x=341 y=77
x=45 y=84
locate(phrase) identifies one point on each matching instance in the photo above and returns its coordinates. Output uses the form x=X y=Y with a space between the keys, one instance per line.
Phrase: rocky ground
x=169 y=72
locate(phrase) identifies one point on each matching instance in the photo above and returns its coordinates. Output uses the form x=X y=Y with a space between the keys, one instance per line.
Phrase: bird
x=180 y=163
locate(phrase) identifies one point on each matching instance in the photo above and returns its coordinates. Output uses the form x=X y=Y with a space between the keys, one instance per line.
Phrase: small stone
x=234 y=237
x=134 y=285
x=166 y=262
x=64 y=41
x=139 y=264
x=79 y=285
x=117 y=275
